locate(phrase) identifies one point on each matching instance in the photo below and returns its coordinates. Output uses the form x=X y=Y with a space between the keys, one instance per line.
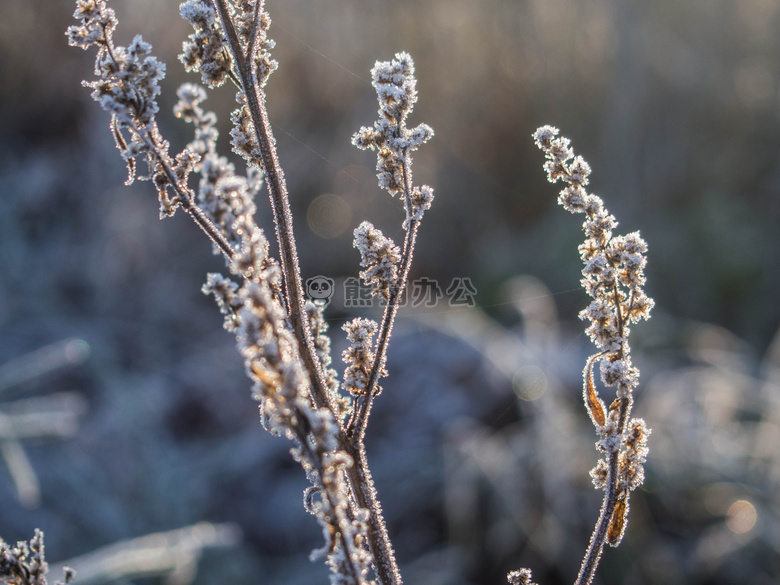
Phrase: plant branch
x=593 y=554
x=188 y=205
x=364 y=492
x=280 y=205
x=359 y=422
x=359 y=478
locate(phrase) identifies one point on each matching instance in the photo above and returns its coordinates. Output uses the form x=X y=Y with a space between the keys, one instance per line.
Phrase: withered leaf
x=593 y=403
x=617 y=525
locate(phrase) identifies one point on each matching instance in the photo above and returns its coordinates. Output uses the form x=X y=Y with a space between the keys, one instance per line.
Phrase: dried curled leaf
x=266 y=375
x=617 y=525
x=121 y=144
x=593 y=403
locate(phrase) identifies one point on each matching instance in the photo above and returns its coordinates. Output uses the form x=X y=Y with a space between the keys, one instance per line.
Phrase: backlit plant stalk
x=281 y=337
x=613 y=276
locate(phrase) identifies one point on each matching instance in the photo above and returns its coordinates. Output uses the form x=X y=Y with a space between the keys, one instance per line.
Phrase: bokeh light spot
x=529 y=383
x=329 y=215
x=741 y=517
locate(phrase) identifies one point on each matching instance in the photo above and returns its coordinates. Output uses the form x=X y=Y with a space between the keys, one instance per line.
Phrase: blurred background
x=124 y=411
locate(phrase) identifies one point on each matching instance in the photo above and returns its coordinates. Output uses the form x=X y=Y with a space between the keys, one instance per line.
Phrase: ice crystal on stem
x=613 y=275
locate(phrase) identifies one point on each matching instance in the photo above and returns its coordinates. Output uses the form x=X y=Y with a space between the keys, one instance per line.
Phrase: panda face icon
x=320 y=288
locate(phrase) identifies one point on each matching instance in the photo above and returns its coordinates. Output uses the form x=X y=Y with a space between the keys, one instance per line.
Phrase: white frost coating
x=359 y=356
x=396 y=89
x=613 y=275
x=379 y=256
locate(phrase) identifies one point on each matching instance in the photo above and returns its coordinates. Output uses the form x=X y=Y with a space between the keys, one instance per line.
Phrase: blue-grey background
x=480 y=446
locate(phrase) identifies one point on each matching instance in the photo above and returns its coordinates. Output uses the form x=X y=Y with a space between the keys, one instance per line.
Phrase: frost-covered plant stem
x=359 y=476
x=184 y=196
x=277 y=191
x=613 y=275
x=357 y=427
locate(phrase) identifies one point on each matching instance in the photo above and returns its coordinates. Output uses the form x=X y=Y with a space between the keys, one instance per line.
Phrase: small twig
x=596 y=545
x=184 y=196
x=359 y=422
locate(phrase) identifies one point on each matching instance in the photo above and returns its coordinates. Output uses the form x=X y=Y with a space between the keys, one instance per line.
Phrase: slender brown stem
x=362 y=485
x=360 y=475
x=592 y=556
x=596 y=545
x=360 y=482
x=359 y=421
x=277 y=190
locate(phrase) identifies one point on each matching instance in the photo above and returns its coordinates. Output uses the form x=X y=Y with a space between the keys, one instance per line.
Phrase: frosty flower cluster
x=225 y=197
x=205 y=51
x=614 y=265
x=129 y=76
x=24 y=563
x=520 y=577
x=380 y=258
x=281 y=385
x=127 y=87
x=359 y=356
x=396 y=89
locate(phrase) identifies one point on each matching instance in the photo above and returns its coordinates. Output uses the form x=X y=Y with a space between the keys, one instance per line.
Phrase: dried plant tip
x=396 y=86
x=520 y=577
x=396 y=89
x=97 y=24
x=613 y=276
